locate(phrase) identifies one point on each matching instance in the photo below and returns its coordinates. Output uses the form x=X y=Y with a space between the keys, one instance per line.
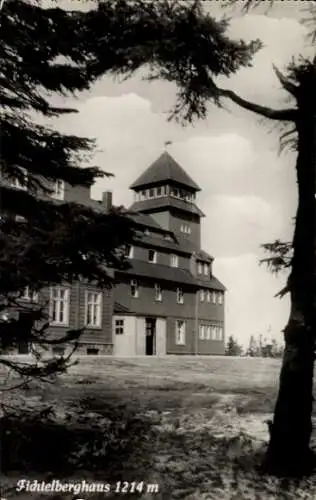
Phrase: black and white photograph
x=157 y=249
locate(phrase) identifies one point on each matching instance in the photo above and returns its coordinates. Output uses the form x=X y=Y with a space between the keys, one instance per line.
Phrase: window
x=21 y=182
x=59 y=306
x=58 y=190
x=202 y=295
x=185 y=229
x=129 y=251
x=180 y=332
x=208 y=296
x=28 y=294
x=91 y=351
x=119 y=327
x=143 y=195
x=208 y=332
x=174 y=260
x=202 y=332
x=147 y=232
x=158 y=191
x=152 y=256
x=134 y=289
x=219 y=333
x=199 y=267
x=213 y=332
x=158 y=293
x=206 y=269
x=151 y=193
x=180 y=297
x=214 y=297
x=220 y=298
x=93 y=309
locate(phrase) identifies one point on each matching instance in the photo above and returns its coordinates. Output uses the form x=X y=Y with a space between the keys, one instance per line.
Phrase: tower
x=167 y=193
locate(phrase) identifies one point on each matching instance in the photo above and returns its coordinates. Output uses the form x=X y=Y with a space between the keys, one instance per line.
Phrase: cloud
x=283 y=39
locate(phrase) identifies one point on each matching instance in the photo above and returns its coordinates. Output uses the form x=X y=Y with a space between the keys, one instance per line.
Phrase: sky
x=248 y=189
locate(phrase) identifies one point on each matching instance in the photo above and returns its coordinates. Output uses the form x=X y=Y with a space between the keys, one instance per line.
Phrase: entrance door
x=150 y=327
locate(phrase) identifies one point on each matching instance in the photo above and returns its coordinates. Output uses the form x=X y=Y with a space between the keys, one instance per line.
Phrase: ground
x=191 y=428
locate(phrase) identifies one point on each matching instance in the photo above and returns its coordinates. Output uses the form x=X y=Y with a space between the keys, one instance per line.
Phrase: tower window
x=152 y=256
x=129 y=251
x=199 y=268
x=174 y=260
x=206 y=269
x=180 y=296
x=202 y=295
x=158 y=293
x=134 y=289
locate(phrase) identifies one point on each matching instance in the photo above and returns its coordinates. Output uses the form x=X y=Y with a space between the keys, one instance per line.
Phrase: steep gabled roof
x=165 y=168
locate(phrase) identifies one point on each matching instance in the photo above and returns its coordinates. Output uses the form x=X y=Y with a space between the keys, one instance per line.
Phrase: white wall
x=161 y=332
x=125 y=344
x=140 y=336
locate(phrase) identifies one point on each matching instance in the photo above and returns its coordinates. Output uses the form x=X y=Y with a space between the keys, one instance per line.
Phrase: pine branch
x=272 y=114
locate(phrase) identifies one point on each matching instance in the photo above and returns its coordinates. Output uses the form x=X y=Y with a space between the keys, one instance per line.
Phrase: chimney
x=107 y=200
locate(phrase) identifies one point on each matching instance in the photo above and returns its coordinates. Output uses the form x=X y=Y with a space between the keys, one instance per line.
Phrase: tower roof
x=165 y=168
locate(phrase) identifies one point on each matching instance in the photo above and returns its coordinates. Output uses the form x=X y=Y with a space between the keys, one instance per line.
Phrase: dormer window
x=151 y=193
x=159 y=191
x=206 y=269
x=185 y=229
x=199 y=268
x=152 y=256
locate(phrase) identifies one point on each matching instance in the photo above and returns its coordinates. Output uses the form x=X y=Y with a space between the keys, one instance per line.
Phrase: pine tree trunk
x=289 y=451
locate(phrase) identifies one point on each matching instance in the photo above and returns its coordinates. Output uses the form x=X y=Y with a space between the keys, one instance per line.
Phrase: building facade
x=168 y=301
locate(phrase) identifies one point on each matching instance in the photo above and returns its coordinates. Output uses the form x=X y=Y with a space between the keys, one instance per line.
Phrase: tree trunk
x=289 y=451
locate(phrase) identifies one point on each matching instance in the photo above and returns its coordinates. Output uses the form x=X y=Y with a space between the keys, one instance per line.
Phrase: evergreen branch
x=272 y=114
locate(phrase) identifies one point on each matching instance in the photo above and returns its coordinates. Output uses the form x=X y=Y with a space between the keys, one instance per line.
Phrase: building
x=168 y=301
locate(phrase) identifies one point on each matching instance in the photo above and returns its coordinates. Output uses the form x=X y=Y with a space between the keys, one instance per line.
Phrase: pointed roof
x=165 y=168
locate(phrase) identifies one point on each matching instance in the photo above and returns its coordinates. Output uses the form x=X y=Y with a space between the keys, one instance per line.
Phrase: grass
x=194 y=426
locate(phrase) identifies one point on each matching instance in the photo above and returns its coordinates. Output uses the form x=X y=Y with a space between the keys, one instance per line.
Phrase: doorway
x=150 y=332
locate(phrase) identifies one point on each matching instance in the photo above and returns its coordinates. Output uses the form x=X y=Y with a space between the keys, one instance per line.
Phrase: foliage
x=45 y=242
x=232 y=347
x=264 y=347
